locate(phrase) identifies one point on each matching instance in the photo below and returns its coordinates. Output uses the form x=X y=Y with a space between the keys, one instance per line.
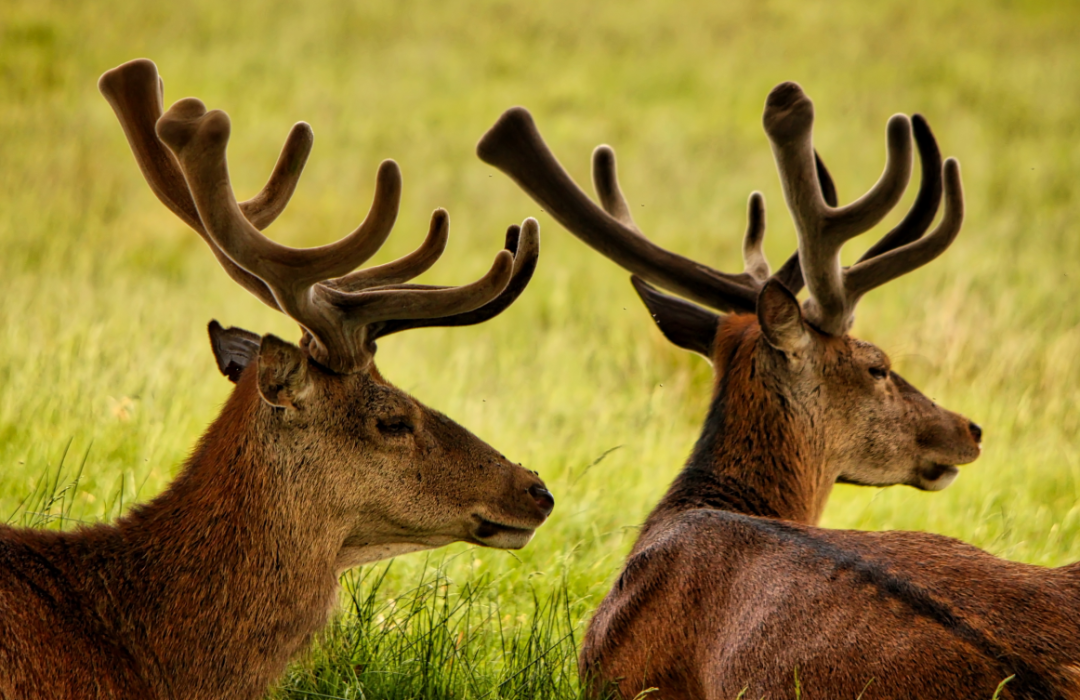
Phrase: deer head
x=381 y=471
x=792 y=387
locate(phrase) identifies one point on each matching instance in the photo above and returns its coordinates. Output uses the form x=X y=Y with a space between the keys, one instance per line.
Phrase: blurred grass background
x=105 y=365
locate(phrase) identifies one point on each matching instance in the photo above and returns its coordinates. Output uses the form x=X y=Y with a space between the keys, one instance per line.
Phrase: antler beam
x=135 y=92
x=514 y=146
x=823 y=229
x=182 y=156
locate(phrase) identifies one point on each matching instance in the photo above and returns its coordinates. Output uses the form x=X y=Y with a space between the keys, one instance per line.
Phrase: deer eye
x=395 y=426
x=879 y=373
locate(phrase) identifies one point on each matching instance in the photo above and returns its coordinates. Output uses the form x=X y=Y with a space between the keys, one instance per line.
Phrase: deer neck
x=228 y=571
x=756 y=454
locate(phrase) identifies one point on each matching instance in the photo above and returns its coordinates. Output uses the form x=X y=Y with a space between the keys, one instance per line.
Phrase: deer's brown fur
x=208 y=590
x=713 y=603
x=730 y=587
x=316 y=463
x=730 y=590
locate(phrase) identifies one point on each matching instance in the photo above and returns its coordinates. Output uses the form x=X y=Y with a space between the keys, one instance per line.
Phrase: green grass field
x=105 y=370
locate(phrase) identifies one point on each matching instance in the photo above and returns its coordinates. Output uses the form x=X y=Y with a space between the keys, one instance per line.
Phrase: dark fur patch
x=1028 y=682
x=700 y=488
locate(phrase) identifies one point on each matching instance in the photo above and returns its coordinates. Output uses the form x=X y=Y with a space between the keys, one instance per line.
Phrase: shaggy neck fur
x=756 y=454
x=212 y=587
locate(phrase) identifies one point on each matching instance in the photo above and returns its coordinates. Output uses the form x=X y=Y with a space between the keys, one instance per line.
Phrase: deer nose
x=975 y=430
x=543 y=498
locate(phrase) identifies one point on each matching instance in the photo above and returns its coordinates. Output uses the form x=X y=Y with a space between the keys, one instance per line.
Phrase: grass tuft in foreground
x=105 y=295
x=441 y=640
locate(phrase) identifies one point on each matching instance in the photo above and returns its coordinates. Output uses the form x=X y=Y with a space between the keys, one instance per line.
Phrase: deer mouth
x=489 y=533
x=935 y=477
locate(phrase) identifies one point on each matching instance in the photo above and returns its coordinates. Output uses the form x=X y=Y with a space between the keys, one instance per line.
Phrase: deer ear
x=781 y=318
x=687 y=325
x=234 y=349
x=283 y=373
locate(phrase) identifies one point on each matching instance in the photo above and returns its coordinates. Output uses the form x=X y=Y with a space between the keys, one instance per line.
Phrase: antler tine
x=927 y=201
x=134 y=90
x=198 y=139
x=876 y=271
x=754 y=260
x=822 y=230
x=265 y=207
x=183 y=155
x=346 y=340
x=755 y=263
x=828 y=187
x=339 y=323
x=514 y=146
x=605 y=177
x=790 y=273
x=341 y=327
x=606 y=184
x=424 y=302
x=915 y=223
x=404 y=268
x=521 y=241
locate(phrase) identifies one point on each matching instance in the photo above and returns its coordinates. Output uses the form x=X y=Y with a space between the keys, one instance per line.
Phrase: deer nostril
x=976 y=431
x=543 y=498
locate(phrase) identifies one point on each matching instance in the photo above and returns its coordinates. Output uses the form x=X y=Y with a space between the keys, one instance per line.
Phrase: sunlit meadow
x=106 y=376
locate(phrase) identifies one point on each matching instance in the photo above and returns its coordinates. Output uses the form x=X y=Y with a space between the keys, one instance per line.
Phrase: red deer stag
x=316 y=463
x=730 y=591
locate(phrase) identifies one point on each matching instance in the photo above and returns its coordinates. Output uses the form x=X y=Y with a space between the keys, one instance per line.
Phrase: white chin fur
x=508 y=539
x=937 y=477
